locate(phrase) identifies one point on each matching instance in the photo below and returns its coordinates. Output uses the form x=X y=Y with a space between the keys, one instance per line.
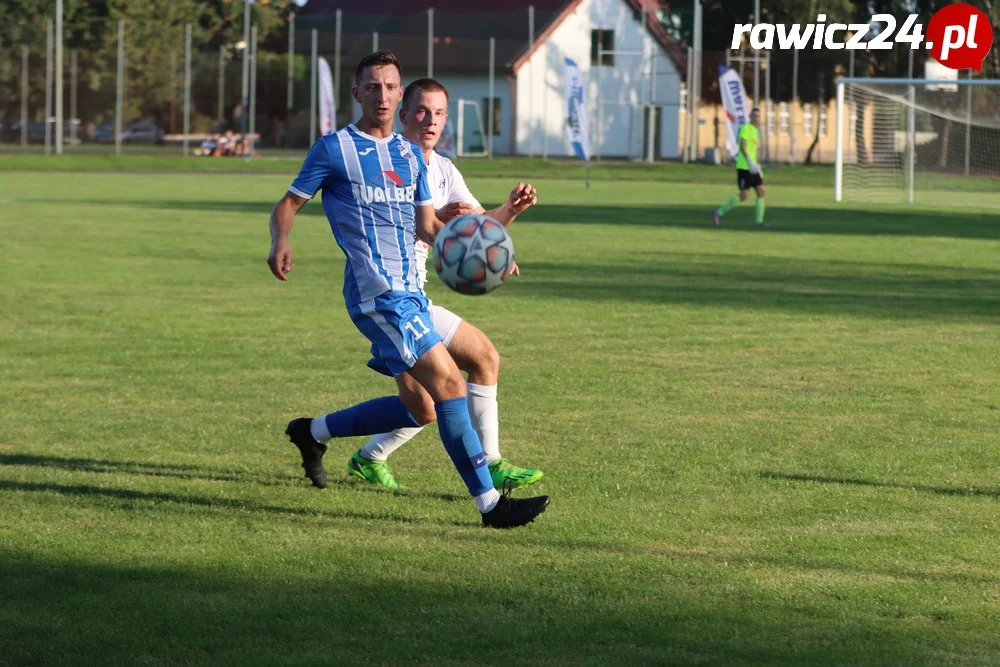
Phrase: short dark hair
x=377 y=59
x=757 y=109
x=425 y=85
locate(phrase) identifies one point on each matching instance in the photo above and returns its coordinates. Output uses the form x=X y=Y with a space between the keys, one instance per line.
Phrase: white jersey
x=447 y=187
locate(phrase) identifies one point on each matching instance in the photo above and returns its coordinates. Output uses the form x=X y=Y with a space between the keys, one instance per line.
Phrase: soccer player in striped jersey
x=377 y=199
x=424 y=112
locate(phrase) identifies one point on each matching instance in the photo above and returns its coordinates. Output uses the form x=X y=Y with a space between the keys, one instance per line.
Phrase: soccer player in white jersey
x=378 y=202
x=424 y=112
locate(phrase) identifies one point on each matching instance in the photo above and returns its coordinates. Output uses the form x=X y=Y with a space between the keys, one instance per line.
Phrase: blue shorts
x=400 y=327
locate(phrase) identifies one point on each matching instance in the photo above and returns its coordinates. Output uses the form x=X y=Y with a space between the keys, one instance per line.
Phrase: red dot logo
x=960 y=36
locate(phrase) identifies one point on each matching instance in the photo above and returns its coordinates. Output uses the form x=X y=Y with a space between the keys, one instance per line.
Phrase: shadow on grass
x=242 y=505
x=193 y=472
x=60 y=611
x=922 y=488
x=796 y=220
x=756 y=282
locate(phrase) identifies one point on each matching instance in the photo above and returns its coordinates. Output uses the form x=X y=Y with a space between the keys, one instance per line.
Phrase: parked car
x=105 y=132
x=138 y=132
x=142 y=132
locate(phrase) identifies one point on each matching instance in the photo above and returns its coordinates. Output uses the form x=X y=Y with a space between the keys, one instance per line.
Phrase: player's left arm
x=427 y=223
x=520 y=199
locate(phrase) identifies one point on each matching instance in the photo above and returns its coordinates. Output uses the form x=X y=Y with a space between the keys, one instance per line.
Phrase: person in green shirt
x=748 y=172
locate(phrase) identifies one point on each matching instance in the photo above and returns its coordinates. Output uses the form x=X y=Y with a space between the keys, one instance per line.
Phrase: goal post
x=470 y=139
x=903 y=140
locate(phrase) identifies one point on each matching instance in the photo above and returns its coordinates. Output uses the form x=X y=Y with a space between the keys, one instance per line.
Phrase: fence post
x=120 y=87
x=291 y=62
x=312 y=88
x=493 y=43
x=187 y=86
x=430 y=42
x=336 y=62
x=59 y=77
x=246 y=67
x=24 y=95
x=531 y=81
x=48 y=87
x=221 y=111
x=253 y=89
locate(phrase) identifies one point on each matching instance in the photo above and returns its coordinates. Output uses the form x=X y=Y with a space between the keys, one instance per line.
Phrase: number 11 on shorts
x=417 y=334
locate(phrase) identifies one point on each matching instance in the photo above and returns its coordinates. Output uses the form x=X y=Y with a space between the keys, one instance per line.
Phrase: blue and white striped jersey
x=371 y=188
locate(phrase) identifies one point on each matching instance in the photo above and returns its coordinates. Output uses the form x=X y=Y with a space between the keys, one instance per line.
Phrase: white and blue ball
x=473 y=254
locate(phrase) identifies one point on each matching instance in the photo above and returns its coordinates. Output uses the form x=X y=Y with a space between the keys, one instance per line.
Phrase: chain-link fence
x=143 y=89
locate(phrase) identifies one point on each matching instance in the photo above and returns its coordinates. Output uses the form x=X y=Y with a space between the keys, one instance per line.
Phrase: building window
x=770 y=117
x=783 y=119
x=606 y=40
x=822 y=120
x=807 y=119
x=497 y=124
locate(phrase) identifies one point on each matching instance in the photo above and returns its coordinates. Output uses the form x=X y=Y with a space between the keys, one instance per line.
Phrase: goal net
x=918 y=140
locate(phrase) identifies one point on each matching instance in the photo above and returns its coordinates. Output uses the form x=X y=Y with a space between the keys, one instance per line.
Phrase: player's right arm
x=316 y=169
x=282 y=219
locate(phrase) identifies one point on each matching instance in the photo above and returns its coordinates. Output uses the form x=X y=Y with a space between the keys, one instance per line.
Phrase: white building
x=629 y=67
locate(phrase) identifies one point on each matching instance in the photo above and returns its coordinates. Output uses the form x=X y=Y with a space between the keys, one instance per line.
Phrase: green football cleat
x=376 y=472
x=514 y=477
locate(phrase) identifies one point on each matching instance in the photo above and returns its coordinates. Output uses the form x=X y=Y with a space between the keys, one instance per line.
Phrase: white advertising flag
x=734 y=101
x=576 y=116
x=327 y=105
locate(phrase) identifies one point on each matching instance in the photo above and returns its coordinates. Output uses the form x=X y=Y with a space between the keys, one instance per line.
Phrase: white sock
x=320 y=432
x=485 y=414
x=487 y=501
x=381 y=446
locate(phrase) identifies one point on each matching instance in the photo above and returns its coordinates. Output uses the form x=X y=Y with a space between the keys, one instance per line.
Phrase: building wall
x=477 y=89
x=784 y=141
x=616 y=124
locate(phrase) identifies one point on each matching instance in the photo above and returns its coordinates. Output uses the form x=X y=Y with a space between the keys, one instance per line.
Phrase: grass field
x=762 y=447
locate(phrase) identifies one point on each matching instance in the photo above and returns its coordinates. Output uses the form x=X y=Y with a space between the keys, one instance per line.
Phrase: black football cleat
x=513 y=512
x=300 y=433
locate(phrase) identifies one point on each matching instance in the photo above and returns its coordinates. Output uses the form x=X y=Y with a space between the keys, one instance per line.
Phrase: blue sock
x=379 y=415
x=463 y=446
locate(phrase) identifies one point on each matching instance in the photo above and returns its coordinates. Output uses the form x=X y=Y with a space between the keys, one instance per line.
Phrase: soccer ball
x=473 y=254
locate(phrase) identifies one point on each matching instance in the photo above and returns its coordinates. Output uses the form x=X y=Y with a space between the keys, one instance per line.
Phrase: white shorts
x=445 y=323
